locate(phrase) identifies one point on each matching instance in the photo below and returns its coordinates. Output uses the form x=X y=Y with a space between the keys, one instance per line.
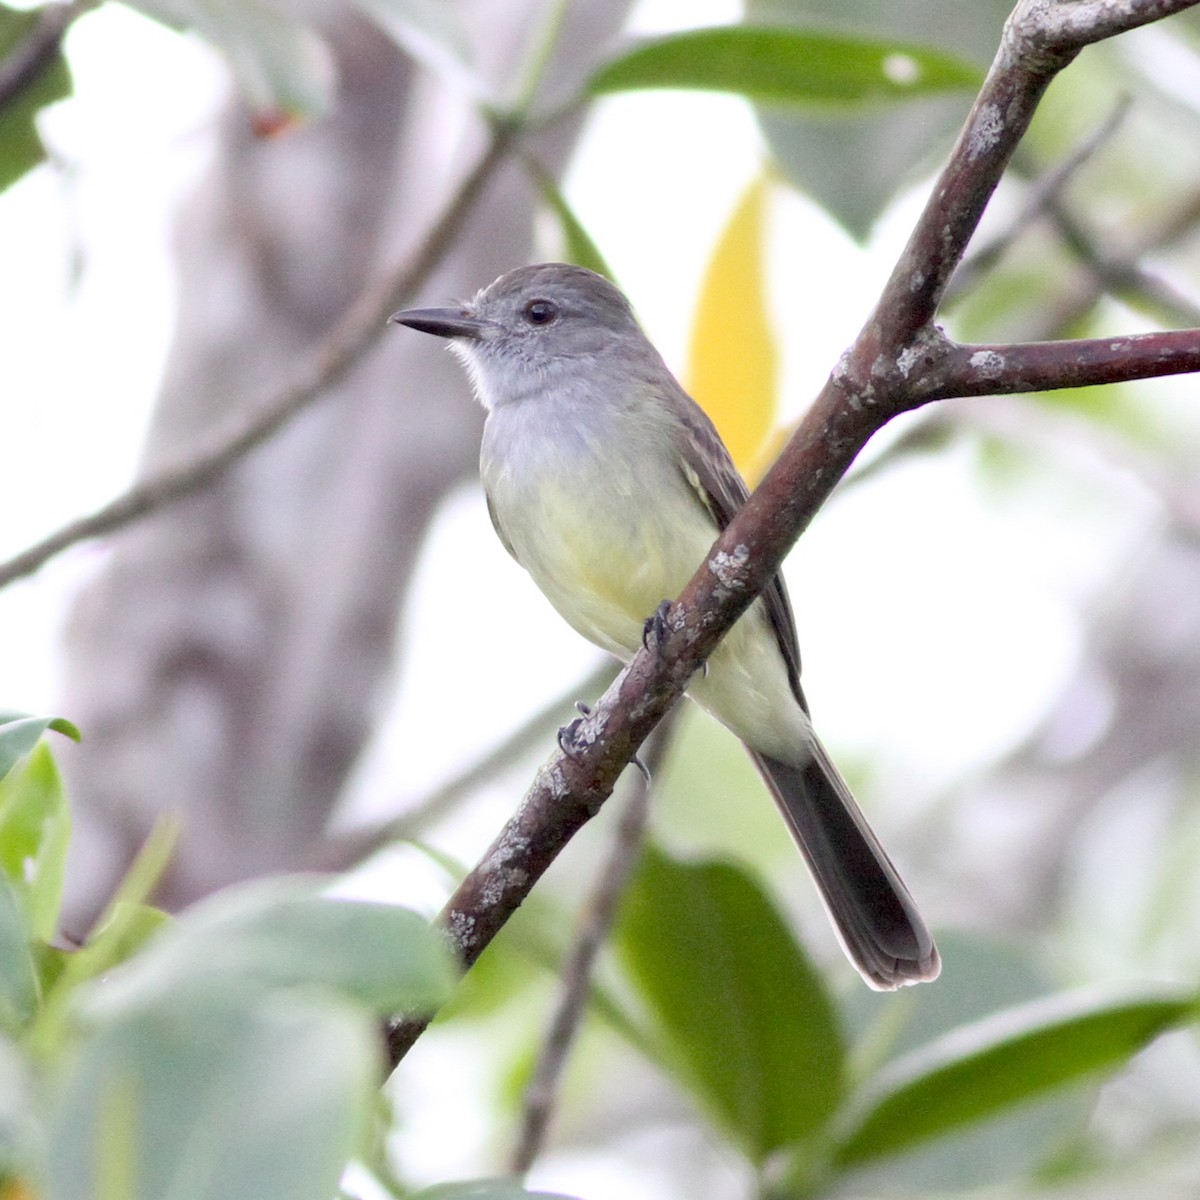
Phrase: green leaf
x=741 y=1009
x=139 y=880
x=19 y=733
x=980 y=976
x=282 y=68
x=578 y=247
x=202 y=1097
x=279 y=933
x=21 y=148
x=35 y=828
x=786 y=66
x=20 y=1127
x=511 y=973
x=853 y=161
x=854 y=164
x=18 y=973
x=123 y=928
x=483 y=1189
x=985 y=1068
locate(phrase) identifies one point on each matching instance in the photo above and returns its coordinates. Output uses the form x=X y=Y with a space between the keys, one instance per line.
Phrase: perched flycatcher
x=609 y=485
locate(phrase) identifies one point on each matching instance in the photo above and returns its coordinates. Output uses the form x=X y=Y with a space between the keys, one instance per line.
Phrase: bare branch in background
x=898 y=362
x=341 y=853
x=353 y=336
x=938 y=426
x=241 y=641
x=1047 y=187
x=1127 y=272
x=1121 y=275
x=599 y=915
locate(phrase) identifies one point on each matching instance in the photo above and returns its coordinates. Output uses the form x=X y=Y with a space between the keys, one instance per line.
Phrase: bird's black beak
x=443 y=322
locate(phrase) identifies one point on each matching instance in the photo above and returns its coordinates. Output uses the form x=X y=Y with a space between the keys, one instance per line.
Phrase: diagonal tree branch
x=1044 y=191
x=881 y=375
x=354 y=335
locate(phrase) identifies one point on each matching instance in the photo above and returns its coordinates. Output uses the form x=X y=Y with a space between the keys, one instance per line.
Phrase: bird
x=609 y=484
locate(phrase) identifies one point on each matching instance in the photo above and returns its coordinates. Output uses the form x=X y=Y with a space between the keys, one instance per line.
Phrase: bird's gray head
x=533 y=326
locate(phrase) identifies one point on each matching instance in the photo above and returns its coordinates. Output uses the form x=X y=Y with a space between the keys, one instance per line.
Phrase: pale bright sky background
x=907 y=598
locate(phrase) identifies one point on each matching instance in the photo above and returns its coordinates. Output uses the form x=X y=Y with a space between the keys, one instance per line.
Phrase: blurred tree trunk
x=1119 y=743
x=228 y=664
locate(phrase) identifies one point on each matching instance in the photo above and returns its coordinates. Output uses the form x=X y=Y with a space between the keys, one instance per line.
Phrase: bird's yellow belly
x=607 y=572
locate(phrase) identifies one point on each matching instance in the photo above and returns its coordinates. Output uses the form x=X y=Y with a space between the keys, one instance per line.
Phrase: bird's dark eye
x=540 y=312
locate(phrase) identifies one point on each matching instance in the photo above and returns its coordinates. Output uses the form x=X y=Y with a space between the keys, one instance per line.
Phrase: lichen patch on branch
x=728 y=567
x=985 y=133
x=988 y=363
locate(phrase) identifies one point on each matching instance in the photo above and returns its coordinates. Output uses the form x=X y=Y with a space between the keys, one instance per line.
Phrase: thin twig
x=1120 y=276
x=1174 y=225
x=1048 y=186
x=351 y=338
x=892 y=367
x=938 y=426
x=1075 y=308
x=601 y=912
x=341 y=853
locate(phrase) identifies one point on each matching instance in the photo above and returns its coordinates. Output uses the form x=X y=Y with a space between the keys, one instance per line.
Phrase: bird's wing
x=709 y=470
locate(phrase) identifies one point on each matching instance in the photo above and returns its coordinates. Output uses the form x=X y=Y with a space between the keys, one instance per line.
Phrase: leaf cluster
x=817 y=1090
x=232 y=1052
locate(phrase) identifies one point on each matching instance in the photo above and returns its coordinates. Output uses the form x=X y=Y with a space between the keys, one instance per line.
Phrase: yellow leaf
x=732 y=359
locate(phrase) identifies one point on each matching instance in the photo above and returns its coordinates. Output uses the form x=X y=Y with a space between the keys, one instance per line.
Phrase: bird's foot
x=570 y=743
x=641 y=766
x=656 y=626
x=568 y=734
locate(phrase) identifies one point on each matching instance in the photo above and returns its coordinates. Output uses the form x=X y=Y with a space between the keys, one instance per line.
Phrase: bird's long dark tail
x=875 y=917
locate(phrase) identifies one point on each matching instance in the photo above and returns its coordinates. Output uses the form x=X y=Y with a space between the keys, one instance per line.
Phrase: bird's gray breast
x=541 y=439
x=568 y=463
